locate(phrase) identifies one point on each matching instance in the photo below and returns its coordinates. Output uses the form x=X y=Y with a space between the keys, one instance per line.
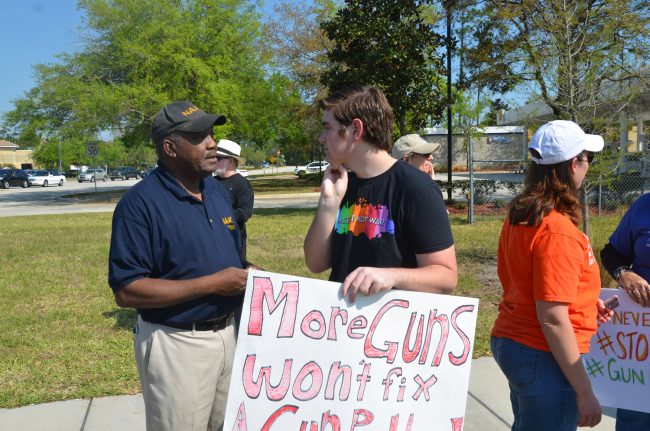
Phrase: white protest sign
x=617 y=363
x=309 y=360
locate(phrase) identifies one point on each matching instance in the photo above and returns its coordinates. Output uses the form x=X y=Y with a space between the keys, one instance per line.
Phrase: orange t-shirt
x=551 y=262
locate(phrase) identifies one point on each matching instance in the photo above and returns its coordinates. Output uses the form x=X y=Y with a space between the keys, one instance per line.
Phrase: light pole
x=60 y=170
x=449 y=42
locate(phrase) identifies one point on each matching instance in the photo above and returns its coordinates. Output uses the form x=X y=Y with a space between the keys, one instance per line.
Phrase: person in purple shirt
x=627 y=259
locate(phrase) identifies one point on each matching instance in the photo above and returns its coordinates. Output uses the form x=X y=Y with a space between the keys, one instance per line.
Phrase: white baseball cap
x=560 y=140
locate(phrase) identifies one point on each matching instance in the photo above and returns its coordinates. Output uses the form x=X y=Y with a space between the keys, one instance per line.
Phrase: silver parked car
x=93 y=175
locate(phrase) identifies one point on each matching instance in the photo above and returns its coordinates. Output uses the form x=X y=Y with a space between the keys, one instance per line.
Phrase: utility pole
x=449 y=42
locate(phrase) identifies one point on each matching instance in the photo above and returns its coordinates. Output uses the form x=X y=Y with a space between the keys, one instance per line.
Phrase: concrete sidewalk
x=488 y=409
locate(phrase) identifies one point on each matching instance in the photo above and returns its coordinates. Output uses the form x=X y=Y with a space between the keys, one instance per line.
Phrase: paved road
x=17 y=201
x=54 y=200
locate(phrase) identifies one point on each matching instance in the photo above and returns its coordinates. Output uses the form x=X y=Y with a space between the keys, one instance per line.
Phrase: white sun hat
x=230 y=149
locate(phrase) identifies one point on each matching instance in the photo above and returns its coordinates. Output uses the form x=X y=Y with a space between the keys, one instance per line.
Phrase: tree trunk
x=402 y=125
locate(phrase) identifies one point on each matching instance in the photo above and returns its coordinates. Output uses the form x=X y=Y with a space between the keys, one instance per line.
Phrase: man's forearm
x=159 y=293
x=437 y=272
x=431 y=279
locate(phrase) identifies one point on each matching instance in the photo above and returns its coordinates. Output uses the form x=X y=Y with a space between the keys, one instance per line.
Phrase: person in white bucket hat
x=241 y=193
x=226 y=148
x=551 y=286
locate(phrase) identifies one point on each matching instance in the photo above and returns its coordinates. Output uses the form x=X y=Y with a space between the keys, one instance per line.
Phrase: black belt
x=216 y=324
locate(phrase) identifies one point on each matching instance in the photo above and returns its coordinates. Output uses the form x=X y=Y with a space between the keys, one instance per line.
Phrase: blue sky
x=34 y=32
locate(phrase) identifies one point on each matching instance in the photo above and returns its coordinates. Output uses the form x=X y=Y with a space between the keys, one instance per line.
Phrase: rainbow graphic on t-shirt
x=373 y=220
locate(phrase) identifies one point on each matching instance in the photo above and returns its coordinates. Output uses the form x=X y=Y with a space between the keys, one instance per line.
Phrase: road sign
x=92 y=148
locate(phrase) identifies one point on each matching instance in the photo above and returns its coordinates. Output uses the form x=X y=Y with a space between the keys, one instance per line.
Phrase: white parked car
x=311 y=168
x=242 y=172
x=46 y=178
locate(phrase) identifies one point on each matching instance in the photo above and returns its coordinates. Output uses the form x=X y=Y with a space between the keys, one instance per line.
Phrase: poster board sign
x=617 y=363
x=308 y=359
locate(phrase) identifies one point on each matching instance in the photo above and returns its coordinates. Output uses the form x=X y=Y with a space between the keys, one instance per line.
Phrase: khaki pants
x=185 y=376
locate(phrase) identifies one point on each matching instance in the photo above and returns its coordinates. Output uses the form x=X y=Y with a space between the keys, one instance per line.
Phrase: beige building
x=503 y=147
x=11 y=155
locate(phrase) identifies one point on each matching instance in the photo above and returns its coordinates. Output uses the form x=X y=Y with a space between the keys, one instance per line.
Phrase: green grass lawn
x=63 y=336
x=285 y=183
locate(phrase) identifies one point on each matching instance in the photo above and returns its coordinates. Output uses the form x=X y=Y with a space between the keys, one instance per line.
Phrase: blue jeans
x=629 y=420
x=542 y=398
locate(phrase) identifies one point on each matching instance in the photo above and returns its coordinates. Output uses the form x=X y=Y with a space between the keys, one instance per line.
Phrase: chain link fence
x=489 y=168
x=614 y=181
x=624 y=180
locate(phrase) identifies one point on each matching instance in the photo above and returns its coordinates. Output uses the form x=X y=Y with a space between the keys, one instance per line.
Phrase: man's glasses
x=220 y=158
x=426 y=156
x=588 y=157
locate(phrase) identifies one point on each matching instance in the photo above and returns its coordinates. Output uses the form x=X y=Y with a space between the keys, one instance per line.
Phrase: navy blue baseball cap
x=182 y=117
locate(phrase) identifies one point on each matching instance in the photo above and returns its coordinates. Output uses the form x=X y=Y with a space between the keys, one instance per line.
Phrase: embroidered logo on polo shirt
x=228 y=222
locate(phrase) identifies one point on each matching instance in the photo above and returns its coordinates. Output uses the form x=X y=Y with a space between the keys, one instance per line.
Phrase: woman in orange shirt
x=551 y=285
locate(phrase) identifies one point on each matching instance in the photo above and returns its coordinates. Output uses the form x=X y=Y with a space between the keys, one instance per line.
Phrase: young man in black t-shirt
x=384 y=224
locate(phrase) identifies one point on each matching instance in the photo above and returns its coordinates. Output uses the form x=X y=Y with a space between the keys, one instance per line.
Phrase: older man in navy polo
x=175 y=258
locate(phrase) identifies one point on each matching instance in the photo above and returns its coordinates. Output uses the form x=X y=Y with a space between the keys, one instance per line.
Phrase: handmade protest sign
x=617 y=363
x=309 y=360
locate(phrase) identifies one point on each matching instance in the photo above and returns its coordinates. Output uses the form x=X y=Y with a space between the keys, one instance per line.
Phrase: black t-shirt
x=386 y=220
x=241 y=194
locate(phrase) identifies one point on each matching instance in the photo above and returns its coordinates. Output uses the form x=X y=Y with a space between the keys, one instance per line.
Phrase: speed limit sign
x=92 y=149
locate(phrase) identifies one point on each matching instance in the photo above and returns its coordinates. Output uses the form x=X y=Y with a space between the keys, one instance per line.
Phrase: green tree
x=73 y=152
x=299 y=49
x=141 y=54
x=582 y=58
x=141 y=156
x=495 y=106
x=466 y=119
x=299 y=44
x=111 y=154
x=46 y=154
x=392 y=45
x=253 y=155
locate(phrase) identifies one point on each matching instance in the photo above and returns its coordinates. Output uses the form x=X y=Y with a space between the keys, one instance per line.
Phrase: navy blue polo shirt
x=161 y=231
